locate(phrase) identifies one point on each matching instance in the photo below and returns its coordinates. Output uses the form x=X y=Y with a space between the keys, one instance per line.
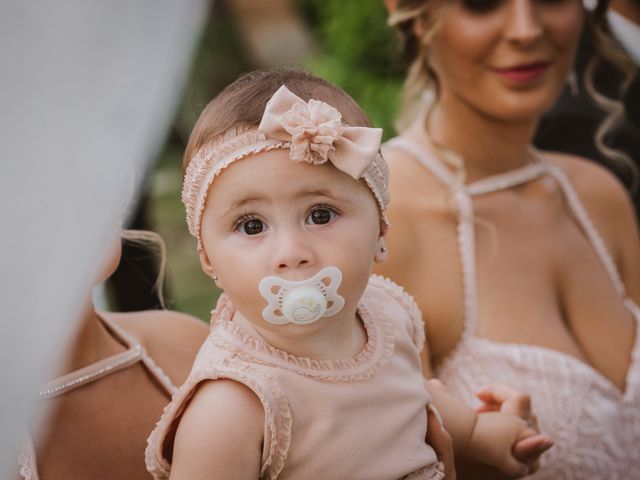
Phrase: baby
x=312 y=366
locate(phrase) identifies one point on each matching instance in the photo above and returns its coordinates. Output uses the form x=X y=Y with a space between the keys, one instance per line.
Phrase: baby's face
x=268 y=215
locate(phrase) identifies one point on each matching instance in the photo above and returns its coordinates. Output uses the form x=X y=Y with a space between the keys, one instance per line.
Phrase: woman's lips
x=525 y=73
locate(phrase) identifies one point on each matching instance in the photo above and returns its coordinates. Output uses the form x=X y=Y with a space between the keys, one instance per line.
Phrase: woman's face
x=508 y=59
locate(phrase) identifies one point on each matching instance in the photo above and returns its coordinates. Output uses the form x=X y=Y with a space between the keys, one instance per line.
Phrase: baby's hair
x=242 y=103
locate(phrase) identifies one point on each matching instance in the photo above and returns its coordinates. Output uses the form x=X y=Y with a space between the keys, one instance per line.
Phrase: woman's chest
x=520 y=271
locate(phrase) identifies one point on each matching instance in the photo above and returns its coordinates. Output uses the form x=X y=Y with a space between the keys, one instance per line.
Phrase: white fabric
x=627 y=33
x=87 y=92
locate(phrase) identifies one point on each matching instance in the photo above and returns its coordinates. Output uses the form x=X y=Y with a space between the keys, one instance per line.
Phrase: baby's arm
x=487 y=437
x=220 y=434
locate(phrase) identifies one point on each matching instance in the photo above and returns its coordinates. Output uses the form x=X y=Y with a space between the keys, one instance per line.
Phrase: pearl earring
x=574 y=88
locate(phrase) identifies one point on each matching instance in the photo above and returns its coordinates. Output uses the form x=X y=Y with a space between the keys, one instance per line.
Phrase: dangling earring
x=572 y=80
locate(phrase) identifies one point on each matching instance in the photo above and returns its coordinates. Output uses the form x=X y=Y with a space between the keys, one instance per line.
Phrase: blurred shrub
x=359 y=52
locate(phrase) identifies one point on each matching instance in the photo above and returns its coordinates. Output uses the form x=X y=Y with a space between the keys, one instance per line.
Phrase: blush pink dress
x=596 y=426
x=28 y=466
x=355 y=418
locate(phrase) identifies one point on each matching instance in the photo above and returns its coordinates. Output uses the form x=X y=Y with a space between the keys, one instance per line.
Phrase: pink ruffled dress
x=357 y=418
x=596 y=426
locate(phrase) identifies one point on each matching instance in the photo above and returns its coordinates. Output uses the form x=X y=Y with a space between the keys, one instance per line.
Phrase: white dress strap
x=425 y=157
x=506 y=180
x=90 y=373
x=466 y=224
x=585 y=222
x=467 y=252
x=148 y=362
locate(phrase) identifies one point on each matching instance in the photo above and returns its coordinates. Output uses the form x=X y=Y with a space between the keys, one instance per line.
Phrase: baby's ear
x=205 y=263
x=207 y=267
x=381 y=246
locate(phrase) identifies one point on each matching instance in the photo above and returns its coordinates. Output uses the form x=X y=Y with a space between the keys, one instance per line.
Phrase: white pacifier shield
x=304 y=305
x=302 y=302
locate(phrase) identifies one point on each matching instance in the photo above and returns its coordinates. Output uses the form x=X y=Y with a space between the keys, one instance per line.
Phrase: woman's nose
x=523 y=23
x=294 y=251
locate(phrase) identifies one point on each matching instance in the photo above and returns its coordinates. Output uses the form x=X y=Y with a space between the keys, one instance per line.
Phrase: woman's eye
x=481 y=5
x=251 y=227
x=321 y=216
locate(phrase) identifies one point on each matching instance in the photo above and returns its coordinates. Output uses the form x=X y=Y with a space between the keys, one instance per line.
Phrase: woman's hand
x=441 y=443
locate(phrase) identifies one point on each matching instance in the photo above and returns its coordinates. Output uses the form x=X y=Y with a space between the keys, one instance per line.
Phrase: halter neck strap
x=463 y=195
x=91 y=373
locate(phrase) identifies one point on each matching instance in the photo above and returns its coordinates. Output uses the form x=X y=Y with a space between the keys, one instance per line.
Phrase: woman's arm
x=220 y=434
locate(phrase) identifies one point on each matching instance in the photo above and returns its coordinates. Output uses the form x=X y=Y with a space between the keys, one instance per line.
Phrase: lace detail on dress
x=594 y=424
x=430 y=472
x=27 y=461
x=400 y=295
x=278 y=419
x=375 y=354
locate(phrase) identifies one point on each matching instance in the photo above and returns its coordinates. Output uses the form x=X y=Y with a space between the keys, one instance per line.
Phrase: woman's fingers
x=440 y=441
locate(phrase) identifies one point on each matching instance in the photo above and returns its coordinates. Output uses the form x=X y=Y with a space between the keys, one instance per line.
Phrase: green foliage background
x=359 y=52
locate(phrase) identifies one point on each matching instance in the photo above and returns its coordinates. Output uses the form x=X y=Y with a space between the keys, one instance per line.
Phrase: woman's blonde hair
x=154 y=243
x=421 y=77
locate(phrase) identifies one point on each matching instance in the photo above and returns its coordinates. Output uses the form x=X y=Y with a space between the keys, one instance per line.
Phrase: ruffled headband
x=313 y=132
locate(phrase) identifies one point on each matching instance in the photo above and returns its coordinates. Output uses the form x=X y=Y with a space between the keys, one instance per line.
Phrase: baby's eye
x=252 y=226
x=321 y=216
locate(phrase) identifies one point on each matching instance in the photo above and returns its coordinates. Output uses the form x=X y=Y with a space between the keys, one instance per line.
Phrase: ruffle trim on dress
x=26 y=461
x=375 y=354
x=278 y=419
x=401 y=296
x=430 y=472
x=632 y=390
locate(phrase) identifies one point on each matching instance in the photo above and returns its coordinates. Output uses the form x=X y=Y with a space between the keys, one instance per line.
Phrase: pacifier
x=302 y=302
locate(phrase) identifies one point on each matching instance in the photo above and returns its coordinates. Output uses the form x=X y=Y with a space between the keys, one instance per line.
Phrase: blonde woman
x=524 y=263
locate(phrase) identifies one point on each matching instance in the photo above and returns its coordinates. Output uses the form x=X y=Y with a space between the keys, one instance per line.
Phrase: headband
x=313 y=132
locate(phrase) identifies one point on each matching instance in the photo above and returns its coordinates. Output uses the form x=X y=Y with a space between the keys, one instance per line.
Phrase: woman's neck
x=330 y=338
x=91 y=342
x=488 y=146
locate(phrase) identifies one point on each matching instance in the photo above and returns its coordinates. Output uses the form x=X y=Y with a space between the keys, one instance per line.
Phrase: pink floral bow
x=317 y=134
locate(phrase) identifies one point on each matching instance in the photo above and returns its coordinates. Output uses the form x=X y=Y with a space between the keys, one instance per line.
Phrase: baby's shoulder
x=401 y=306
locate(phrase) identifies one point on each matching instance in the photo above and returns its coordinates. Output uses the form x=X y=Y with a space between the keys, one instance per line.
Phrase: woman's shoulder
x=171 y=338
x=606 y=200
x=407 y=174
x=594 y=183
